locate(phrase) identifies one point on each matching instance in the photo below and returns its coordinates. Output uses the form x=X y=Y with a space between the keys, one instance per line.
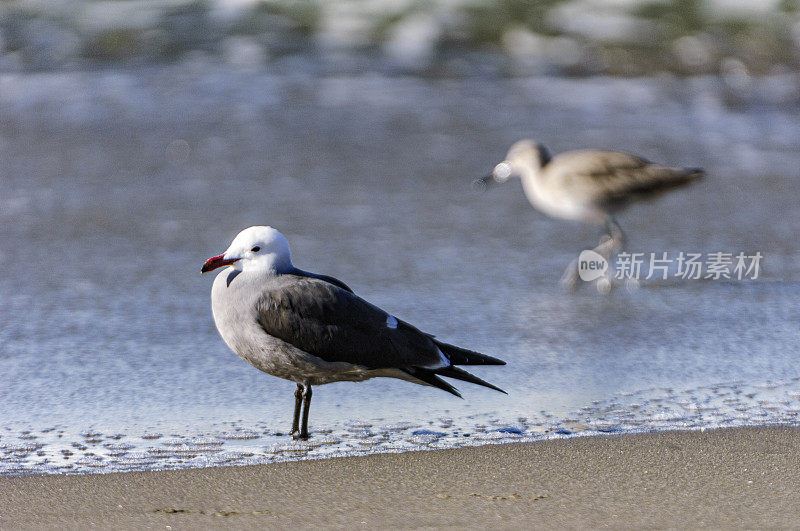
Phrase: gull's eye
x=256 y=249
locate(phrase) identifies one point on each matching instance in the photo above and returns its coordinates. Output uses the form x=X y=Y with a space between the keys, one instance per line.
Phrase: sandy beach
x=745 y=478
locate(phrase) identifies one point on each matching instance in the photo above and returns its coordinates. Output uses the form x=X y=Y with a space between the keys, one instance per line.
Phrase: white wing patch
x=391 y=322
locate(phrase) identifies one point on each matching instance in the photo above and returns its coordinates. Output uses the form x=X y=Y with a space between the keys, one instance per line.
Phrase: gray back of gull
x=335 y=325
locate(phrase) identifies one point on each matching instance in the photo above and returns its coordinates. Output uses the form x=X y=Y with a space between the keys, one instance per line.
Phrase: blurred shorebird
x=587 y=185
x=312 y=329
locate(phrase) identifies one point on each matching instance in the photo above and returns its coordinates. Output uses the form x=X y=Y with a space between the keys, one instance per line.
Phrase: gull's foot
x=300 y=436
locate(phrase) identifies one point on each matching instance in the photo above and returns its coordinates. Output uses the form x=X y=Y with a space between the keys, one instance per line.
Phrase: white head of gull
x=312 y=329
x=255 y=249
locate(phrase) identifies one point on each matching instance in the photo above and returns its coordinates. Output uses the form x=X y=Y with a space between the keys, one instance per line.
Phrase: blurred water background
x=436 y=38
x=138 y=137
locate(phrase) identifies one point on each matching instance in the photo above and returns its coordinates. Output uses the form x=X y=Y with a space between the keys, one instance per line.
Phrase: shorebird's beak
x=215 y=262
x=483 y=182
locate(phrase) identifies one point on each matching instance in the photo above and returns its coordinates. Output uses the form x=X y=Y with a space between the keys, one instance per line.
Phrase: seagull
x=587 y=185
x=312 y=329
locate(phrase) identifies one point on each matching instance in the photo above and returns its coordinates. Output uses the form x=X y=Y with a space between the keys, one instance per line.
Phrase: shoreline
x=728 y=477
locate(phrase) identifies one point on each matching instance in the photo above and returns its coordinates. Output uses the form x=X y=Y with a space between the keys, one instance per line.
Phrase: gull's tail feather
x=459 y=374
x=462 y=356
x=429 y=377
x=456 y=356
x=459 y=356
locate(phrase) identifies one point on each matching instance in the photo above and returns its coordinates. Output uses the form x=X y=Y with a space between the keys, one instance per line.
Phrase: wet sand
x=746 y=477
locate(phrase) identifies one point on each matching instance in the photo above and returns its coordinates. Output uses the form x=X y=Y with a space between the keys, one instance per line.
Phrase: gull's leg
x=306 y=405
x=298 y=399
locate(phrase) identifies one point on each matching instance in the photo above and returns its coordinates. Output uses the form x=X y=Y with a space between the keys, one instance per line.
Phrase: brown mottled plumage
x=587 y=185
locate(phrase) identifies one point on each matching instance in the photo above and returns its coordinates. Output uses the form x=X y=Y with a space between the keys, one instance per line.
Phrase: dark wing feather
x=335 y=325
x=430 y=378
x=613 y=177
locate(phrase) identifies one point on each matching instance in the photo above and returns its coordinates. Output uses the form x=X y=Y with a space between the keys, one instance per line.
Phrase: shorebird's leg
x=298 y=400
x=610 y=244
x=617 y=236
x=612 y=241
x=569 y=280
x=306 y=406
